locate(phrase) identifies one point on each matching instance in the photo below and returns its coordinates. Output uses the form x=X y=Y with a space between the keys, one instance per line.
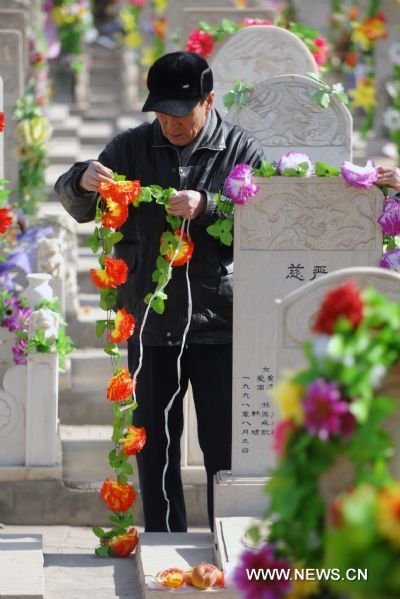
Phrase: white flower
x=394 y=53
x=377 y=373
x=45 y=321
x=391 y=119
x=393 y=88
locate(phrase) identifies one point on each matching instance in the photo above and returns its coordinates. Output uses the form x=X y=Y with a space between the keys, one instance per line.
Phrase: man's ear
x=210 y=100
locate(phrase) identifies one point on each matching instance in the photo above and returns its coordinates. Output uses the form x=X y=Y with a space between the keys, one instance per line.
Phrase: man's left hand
x=187 y=204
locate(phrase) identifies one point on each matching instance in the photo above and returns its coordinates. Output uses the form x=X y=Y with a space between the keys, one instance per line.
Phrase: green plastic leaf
x=94 y=241
x=101 y=551
x=174 y=221
x=122 y=479
x=108 y=299
x=322 y=169
x=226 y=238
x=99 y=532
x=117 y=177
x=158 y=305
x=144 y=195
x=111 y=349
x=266 y=169
x=100 y=327
x=126 y=468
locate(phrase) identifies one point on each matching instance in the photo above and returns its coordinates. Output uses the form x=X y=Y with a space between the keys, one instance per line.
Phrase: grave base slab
x=230 y=540
x=159 y=551
x=21 y=566
x=239 y=496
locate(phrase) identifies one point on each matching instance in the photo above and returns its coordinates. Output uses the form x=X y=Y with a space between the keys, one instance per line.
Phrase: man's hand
x=187 y=204
x=389 y=176
x=95 y=174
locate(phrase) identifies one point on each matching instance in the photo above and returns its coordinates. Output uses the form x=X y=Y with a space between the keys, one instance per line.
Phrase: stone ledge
x=21 y=566
x=30 y=473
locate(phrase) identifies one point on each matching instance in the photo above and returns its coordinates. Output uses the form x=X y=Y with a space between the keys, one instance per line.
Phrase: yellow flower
x=148 y=57
x=133 y=39
x=160 y=5
x=127 y=19
x=364 y=94
x=288 y=395
x=388 y=514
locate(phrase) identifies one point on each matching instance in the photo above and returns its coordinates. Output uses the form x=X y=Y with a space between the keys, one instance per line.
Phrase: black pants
x=209 y=369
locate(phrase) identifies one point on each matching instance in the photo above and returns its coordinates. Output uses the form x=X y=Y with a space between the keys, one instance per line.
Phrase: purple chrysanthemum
x=19 y=351
x=391 y=260
x=293 y=160
x=324 y=409
x=239 y=184
x=362 y=177
x=389 y=220
x=263 y=559
x=16 y=316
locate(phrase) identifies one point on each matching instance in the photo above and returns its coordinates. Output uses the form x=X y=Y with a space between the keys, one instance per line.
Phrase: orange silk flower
x=134 y=440
x=185 y=250
x=123 y=327
x=116 y=215
x=117 y=496
x=123 y=545
x=120 y=191
x=120 y=386
x=114 y=273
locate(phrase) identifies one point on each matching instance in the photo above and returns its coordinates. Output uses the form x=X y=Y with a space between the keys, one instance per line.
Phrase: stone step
x=54 y=171
x=91 y=368
x=82 y=328
x=21 y=566
x=86 y=262
x=62 y=151
x=57 y=112
x=91 y=151
x=92 y=133
x=85 y=452
x=67 y=128
x=76 y=407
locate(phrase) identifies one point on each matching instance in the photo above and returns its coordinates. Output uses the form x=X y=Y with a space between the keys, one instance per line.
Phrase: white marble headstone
x=11 y=71
x=17 y=20
x=282 y=116
x=292 y=232
x=256 y=53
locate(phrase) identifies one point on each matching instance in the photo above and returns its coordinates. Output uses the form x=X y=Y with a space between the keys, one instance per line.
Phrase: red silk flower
x=5 y=219
x=117 y=496
x=116 y=215
x=345 y=301
x=185 y=251
x=200 y=42
x=123 y=545
x=120 y=386
x=120 y=191
x=114 y=273
x=2 y=122
x=134 y=440
x=123 y=327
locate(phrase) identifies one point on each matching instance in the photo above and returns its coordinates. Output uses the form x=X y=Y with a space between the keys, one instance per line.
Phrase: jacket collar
x=214 y=138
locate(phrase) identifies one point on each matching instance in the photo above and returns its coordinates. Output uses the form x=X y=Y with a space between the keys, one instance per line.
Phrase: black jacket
x=144 y=153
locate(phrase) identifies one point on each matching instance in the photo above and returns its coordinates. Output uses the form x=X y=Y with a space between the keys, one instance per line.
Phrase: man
x=190 y=148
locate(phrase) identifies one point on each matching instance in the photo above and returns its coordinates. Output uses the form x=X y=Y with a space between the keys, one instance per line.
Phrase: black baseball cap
x=177 y=82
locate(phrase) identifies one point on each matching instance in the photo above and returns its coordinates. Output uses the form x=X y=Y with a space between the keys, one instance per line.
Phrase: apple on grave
x=204 y=576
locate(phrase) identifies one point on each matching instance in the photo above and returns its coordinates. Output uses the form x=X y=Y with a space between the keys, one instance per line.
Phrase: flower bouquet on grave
x=332 y=435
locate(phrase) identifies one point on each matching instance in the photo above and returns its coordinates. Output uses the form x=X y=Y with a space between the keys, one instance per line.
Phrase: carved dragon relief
x=326 y=221
x=283 y=115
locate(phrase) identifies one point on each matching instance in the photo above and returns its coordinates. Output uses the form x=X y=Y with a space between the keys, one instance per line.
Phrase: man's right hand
x=95 y=174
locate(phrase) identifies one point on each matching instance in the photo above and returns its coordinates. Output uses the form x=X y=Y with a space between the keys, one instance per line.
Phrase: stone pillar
x=12 y=417
x=11 y=70
x=17 y=20
x=42 y=410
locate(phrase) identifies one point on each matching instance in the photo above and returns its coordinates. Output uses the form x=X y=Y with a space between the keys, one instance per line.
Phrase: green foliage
x=225 y=28
x=322 y=169
x=266 y=169
x=299 y=171
x=325 y=93
x=238 y=95
x=222 y=230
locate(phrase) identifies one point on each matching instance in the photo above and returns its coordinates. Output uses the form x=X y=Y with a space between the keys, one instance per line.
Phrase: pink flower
x=295 y=164
x=324 y=409
x=362 y=177
x=137 y=3
x=389 y=220
x=320 y=50
x=248 y=21
x=263 y=559
x=200 y=42
x=391 y=260
x=282 y=433
x=239 y=184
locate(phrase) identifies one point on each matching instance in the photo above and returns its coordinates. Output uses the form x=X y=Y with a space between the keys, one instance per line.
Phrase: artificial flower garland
x=331 y=411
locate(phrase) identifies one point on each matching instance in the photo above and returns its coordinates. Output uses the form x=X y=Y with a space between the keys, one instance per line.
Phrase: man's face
x=181 y=130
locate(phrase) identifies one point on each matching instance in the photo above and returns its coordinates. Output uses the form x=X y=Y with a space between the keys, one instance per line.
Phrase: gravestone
x=17 y=20
x=11 y=71
x=282 y=116
x=1 y=132
x=175 y=21
x=293 y=231
x=256 y=53
x=213 y=16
